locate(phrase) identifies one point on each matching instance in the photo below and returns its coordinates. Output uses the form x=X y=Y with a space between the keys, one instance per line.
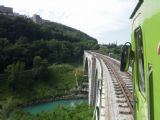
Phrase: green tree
x=40 y=68
x=37 y=61
x=3 y=44
x=15 y=75
x=7 y=107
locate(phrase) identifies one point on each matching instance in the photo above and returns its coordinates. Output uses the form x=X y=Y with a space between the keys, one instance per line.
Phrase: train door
x=140 y=78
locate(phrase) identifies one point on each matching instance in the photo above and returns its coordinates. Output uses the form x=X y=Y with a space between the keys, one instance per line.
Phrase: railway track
x=122 y=82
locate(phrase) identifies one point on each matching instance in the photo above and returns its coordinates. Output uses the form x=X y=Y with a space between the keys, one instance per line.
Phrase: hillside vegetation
x=39 y=62
x=22 y=40
x=33 y=58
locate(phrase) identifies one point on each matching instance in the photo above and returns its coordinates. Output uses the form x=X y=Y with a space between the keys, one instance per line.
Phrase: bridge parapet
x=93 y=73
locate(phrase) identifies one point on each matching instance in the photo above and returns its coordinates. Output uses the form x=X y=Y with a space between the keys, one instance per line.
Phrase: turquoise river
x=51 y=105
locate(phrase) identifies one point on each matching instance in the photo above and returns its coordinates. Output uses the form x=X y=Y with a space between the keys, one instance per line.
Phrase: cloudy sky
x=106 y=20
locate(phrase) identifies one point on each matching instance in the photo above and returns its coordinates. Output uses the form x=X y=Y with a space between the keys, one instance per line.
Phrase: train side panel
x=145 y=42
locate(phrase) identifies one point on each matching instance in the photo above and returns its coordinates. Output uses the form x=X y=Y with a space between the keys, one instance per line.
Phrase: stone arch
x=93 y=73
x=86 y=71
x=95 y=86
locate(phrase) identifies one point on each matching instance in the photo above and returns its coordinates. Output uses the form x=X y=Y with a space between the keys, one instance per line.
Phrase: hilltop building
x=6 y=10
x=9 y=11
x=37 y=19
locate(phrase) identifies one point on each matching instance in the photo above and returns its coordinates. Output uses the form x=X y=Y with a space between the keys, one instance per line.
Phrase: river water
x=46 y=107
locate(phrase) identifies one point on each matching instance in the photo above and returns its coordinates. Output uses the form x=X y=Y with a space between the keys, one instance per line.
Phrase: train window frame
x=140 y=59
x=150 y=95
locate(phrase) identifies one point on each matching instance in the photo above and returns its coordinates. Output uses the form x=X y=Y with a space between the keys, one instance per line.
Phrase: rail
x=113 y=90
x=121 y=86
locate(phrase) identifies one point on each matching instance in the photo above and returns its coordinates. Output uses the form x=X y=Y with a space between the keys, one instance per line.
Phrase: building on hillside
x=6 y=10
x=37 y=19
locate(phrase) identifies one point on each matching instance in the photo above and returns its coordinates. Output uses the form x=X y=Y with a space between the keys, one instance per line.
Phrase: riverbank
x=50 y=106
x=50 y=99
x=59 y=110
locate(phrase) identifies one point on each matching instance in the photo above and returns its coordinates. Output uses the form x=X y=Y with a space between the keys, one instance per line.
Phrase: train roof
x=136 y=8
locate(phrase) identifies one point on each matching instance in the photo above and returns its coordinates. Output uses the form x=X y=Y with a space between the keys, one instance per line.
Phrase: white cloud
x=95 y=17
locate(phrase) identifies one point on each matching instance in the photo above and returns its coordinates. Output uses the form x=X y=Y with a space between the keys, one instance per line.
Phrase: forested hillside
x=39 y=62
x=21 y=40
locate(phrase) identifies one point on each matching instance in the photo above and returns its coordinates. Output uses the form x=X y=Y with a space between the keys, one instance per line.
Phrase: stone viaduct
x=93 y=73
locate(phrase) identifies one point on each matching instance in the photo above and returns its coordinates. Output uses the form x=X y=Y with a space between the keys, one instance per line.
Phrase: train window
x=140 y=59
